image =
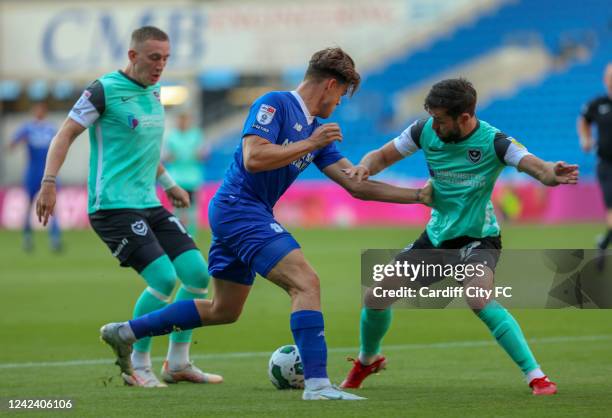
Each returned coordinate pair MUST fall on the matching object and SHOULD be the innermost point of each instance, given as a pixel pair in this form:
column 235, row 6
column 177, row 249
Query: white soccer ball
column 285, row 368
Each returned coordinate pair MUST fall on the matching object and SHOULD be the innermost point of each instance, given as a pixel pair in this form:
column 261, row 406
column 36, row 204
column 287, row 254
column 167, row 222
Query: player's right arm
column 84, row 113
column 259, row 154
column 45, row 202
column 19, row 137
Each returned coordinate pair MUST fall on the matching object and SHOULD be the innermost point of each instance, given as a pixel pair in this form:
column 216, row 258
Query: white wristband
column 166, row 181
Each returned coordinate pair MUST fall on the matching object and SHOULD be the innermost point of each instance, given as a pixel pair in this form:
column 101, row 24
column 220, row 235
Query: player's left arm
column 513, row 153
column 549, row 173
column 177, row 195
column 375, row 190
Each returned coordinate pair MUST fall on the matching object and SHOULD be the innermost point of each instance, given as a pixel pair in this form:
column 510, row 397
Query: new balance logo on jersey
column 276, row 227
column 297, row 127
column 140, row 228
column 474, row 155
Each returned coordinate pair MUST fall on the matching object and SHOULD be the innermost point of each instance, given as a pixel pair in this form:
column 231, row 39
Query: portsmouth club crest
column 140, row 228
column 265, row 114
column 474, row 155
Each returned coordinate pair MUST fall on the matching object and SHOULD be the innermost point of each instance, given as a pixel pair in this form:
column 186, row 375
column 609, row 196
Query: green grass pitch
column 441, row 363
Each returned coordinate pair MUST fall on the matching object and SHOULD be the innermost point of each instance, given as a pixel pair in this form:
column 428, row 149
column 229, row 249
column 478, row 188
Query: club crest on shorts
column 266, row 114
column 140, row 228
column 474, row 155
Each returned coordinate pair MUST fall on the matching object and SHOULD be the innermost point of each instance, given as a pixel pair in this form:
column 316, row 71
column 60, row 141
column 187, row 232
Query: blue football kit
column 37, row 136
column 246, row 237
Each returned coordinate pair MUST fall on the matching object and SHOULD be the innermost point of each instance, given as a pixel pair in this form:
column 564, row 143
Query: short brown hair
column 334, row 63
column 148, row 32
column 455, row 96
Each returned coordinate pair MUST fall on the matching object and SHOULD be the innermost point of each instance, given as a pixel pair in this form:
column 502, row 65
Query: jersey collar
column 132, row 80
column 465, row 138
column 307, row 114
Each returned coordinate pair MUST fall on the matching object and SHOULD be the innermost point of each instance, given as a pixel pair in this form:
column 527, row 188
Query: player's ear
column 132, row 55
column 330, row 84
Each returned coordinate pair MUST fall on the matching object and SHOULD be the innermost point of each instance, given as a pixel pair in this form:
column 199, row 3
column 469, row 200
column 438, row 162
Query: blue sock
column 178, row 316
column 307, row 328
column 54, row 232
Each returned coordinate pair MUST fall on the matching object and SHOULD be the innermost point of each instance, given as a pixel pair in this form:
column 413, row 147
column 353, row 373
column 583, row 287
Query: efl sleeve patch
column 90, row 105
column 265, row 114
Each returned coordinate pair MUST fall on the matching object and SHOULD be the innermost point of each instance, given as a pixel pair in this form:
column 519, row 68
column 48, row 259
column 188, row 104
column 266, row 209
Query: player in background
column 184, row 153
column 36, row 135
column 282, row 136
column 598, row 112
column 465, row 156
column 125, row 118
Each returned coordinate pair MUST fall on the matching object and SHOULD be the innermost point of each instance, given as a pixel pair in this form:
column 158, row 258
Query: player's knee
column 192, row 269
column 160, row 275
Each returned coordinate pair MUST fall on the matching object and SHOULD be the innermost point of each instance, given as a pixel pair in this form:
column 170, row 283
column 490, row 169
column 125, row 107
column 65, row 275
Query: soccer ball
column 285, row 368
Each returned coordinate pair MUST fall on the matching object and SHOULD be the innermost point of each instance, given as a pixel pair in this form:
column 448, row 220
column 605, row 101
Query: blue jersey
column 282, row 118
column 37, row 135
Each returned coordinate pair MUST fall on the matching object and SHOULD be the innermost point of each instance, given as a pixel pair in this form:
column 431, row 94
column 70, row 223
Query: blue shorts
column 246, row 240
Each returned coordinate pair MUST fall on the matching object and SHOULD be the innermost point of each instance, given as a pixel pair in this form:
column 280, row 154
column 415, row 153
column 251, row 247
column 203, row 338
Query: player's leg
column 192, row 271
column 182, row 315
column 296, row 276
column 55, row 235
column 226, row 307
column 28, row 237
column 129, row 236
column 376, row 317
column 503, row 326
column 160, row 276
column 604, row 176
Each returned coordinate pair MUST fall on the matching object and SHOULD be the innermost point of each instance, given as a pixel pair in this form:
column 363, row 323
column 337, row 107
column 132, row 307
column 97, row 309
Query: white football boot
column 329, row 393
column 144, row 378
column 189, row 373
column 109, row 333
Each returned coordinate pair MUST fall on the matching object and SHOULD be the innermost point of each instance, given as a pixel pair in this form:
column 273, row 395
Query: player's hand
column 425, row 195
column 326, row 134
column 586, row 143
column 178, row 197
column 586, row 146
column 359, row 171
column 565, row 173
column 45, row 202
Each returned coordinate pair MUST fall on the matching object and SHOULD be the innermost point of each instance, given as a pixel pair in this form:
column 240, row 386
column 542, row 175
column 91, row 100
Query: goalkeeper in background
column 184, row 153
column 464, row 156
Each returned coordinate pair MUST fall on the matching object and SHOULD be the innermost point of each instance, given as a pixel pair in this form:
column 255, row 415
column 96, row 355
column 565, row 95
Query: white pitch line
column 399, row 347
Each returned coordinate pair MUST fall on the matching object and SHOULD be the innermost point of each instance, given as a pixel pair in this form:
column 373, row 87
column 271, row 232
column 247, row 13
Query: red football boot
column 360, row 371
column 542, row 386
